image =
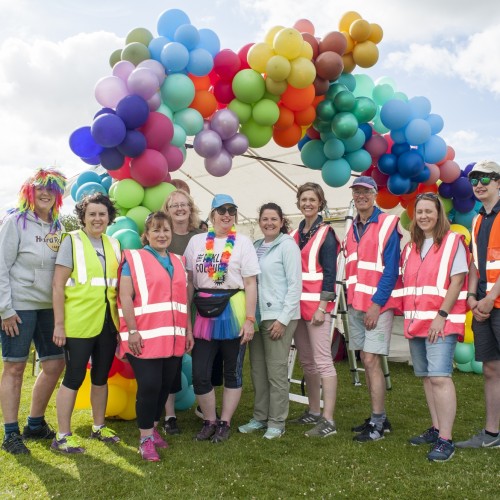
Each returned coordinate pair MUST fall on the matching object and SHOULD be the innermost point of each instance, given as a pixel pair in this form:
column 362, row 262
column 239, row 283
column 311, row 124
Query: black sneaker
column 429, row 436
column 207, row 431
column 44, row 431
column 386, row 426
column 222, row 433
column 370, row 433
column 170, row 426
column 442, row 452
column 13, row 443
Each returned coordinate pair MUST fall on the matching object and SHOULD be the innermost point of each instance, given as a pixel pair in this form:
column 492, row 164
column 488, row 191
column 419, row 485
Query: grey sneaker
column 222, row 432
column 322, row 429
column 442, row 452
column 273, row 433
column 306, row 419
column 480, row 440
column 252, row 426
column 207, row 431
column 371, row 433
column 429, row 436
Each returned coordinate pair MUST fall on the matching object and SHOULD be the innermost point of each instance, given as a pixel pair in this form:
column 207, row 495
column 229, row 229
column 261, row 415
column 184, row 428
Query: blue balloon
column 445, row 190
column 133, row 145
column 367, row 129
column 103, row 111
column 423, row 176
column 209, row 41
column 395, row 114
column 200, row 62
column 436, row 123
column 399, row 149
column 83, row 144
column 467, row 169
column 174, row 57
column 94, row 160
column 187, row 368
column 434, row 149
column 106, row 181
column 88, row 176
column 410, row 164
column 303, row 141
column 464, row 219
column 74, row 189
column 420, row 107
column 112, row 159
column 156, row 46
column 348, row 80
column 188, row 35
column 336, row 173
column 398, row 135
column 417, row 131
column 398, row 185
column 170, row 20
column 388, row 164
column 89, row 188
column 463, row 206
column 133, row 110
column 108, row 130
column 355, row 142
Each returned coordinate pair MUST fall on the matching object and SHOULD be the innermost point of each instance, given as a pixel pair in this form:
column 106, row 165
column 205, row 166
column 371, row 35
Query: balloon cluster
column 465, row 352
column 89, row 182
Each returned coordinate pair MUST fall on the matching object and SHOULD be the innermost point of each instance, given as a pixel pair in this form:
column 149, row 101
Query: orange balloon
column 410, row 209
column 287, row 137
column 422, row 188
column 298, row 99
column 318, row 99
column 200, row 82
column 305, row 117
column 386, row 200
column 204, row 102
column 285, row 119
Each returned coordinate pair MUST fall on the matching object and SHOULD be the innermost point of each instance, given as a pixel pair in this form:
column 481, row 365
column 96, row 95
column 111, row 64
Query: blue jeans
column 37, row 326
column 433, row 360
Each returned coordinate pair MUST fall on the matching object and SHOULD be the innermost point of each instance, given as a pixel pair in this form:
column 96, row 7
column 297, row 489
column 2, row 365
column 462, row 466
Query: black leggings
column 154, row 381
column 77, row 353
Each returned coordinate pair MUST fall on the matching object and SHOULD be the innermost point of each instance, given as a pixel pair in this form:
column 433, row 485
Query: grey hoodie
column 28, row 253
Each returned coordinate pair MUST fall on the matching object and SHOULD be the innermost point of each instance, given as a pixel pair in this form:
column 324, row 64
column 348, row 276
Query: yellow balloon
column 360, row 30
column 275, row 88
column 269, row 38
column 83, row 395
column 376, row 34
column 302, row 73
column 457, row 228
column 349, row 64
column 129, row 413
column 258, row 55
column 350, row 42
column 306, row 51
column 278, row 68
column 288, row 43
column 117, row 400
column 347, row 19
column 365, row 54
column 120, row 381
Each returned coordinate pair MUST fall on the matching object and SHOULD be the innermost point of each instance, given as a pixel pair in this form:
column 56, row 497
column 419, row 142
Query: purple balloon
column 463, row 206
column 156, row 67
column 225, row 123
column 103, row 111
column 133, row 110
column 112, row 159
column 122, row 69
column 94, row 160
column 83, row 144
column 445, row 190
column 133, row 145
column 143, row 82
column 154, row 102
column 237, row 144
column 207, row 143
column 108, row 130
column 219, row 165
column 462, row 188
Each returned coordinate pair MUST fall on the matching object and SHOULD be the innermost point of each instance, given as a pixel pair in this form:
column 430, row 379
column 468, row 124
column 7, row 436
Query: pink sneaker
column 159, row 442
column 148, row 451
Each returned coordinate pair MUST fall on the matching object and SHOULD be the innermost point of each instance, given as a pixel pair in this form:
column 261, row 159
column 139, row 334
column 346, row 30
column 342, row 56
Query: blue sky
column 53, row 52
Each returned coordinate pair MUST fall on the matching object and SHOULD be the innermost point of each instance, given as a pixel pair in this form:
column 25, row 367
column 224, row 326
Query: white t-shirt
column 242, row 264
column 459, row 261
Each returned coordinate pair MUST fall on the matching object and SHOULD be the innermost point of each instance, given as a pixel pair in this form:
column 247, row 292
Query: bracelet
column 133, row 332
column 250, row 318
column 470, row 294
column 322, row 310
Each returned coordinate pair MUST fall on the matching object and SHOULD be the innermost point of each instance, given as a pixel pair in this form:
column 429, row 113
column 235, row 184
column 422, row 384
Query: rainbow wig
column 49, row 178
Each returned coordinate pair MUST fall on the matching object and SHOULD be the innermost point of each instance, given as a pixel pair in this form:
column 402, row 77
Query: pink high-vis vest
column 160, row 305
column 312, row 272
column 425, row 283
column 365, row 262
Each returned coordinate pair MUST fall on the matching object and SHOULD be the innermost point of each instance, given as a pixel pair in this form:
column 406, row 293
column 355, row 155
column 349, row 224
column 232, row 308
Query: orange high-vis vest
column 492, row 253
column 425, row 283
column 365, row 262
column 312, row 272
column 160, row 305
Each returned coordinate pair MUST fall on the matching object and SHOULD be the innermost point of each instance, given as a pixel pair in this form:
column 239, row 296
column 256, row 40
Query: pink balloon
column 219, row 165
column 143, row 82
column 304, row 26
column 149, row 168
column 226, row 123
column 243, row 53
column 154, row 102
column 158, row 130
column 433, row 178
column 174, row 157
column 237, row 144
column 109, row 91
column 122, row 69
column 223, row 92
column 227, row 64
column 168, row 177
column 376, row 146
column 449, row 171
column 156, row 67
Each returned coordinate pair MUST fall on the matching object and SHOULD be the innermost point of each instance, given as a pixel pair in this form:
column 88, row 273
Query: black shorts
column 487, row 337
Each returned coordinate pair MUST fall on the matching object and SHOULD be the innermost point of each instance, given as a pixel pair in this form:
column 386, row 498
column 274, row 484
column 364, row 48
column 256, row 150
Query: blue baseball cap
column 222, row 199
column 365, row 181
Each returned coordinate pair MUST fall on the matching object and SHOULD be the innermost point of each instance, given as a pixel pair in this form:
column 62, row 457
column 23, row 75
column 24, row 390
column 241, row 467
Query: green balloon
column 272, row 97
column 265, row 112
column 128, row 193
column 477, row 366
column 364, row 86
column 111, row 190
column 155, row 196
column 447, row 204
column 364, row 109
column 464, row 353
column 121, row 223
column 383, row 93
column 257, row 135
column 322, row 126
column 177, row 91
column 248, row 86
column 179, row 138
column 348, row 80
column 139, row 215
column 334, row 148
column 344, row 101
column 141, row 35
column 355, row 142
column 405, row 220
column 465, row 367
column 312, row 154
column 344, row 125
column 325, row 110
column 116, row 56
column 378, row 125
column 336, row 173
column 242, row 110
column 135, row 52
column 165, row 110
column 359, row 160
column 121, row 211
column 128, row 238
column 190, row 120
column 334, row 89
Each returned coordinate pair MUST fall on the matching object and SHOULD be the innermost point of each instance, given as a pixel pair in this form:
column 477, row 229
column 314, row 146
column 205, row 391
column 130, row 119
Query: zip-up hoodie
column 28, row 251
column 280, row 281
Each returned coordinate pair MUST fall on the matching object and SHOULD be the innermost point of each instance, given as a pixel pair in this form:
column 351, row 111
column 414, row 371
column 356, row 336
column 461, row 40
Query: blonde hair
column 194, row 219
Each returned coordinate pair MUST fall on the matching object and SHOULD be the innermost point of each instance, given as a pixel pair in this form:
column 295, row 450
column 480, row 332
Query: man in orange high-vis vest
column 372, row 249
column 484, row 296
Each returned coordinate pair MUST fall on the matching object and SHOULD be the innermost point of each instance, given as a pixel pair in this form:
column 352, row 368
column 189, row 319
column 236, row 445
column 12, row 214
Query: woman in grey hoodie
column 29, row 240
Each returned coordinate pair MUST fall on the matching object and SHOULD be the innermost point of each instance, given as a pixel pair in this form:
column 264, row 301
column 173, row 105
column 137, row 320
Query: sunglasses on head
column 484, row 180
column 230, row 210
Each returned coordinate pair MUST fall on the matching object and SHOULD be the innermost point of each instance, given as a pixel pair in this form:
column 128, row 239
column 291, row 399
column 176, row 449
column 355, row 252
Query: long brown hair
column 440, row 229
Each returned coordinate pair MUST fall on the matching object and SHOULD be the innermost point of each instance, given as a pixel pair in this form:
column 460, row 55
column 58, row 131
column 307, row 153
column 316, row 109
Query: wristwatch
column 133, row 332
column 322, row 310
column 442, row 313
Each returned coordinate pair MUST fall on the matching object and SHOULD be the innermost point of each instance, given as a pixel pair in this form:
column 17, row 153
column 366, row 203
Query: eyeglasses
column 367, row 192
column 230, row 210
column 175, row 206
column 484, row 180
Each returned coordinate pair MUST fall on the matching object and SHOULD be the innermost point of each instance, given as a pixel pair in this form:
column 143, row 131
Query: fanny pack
column 211, row 303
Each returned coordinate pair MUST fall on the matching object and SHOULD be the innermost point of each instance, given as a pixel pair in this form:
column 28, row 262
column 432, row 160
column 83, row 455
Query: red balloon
column 114, row 367
column 312, row 133
column 333, row 41
column 126, row 371
column 380, row 178
column 226, row 64
column 223, row 92
column 123, row 172
column 149, row 168
column 243, row 53
column 376, row 146
column 329, row 65
column 158, row 130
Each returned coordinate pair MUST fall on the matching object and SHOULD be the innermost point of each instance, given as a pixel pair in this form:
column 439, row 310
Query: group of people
column 82, row 300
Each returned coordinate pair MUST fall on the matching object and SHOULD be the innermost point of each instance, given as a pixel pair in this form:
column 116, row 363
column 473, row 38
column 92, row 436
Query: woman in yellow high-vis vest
column 86, row 316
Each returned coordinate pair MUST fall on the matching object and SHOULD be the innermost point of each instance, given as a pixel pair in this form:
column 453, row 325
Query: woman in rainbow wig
column 29, row 240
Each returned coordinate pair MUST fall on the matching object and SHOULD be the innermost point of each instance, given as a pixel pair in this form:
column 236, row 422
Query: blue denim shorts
column 433, row 360
column 36, row 326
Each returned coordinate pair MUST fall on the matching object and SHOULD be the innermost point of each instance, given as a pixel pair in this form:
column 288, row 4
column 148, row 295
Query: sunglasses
column 484, row 180
column 230, row 210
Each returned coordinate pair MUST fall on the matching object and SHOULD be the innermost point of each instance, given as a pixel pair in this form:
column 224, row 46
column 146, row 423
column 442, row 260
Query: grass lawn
column 247, row 466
